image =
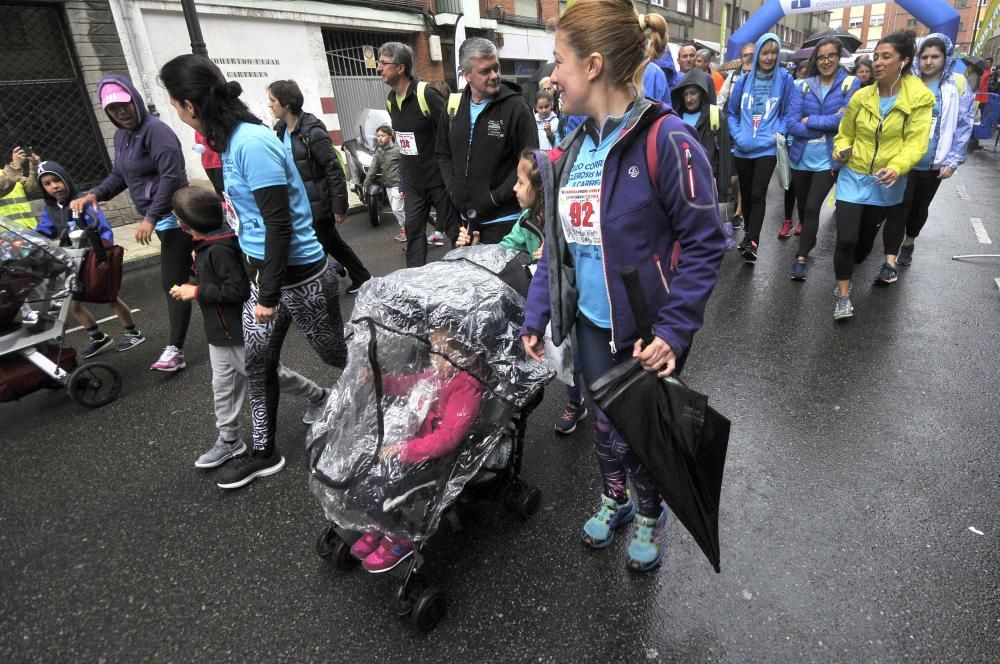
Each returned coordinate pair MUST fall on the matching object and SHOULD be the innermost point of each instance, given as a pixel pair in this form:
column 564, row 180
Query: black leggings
column 755, row 177
column 811, row 188
column 910, row 216
column 790, row 199
column 857, row 228
column 175, row 269
column 333, row 244
column 417, row 208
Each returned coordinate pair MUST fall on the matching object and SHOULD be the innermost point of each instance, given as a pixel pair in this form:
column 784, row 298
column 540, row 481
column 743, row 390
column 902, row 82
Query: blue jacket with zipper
column 750, row 142
column 824, row 114
column 640, row 221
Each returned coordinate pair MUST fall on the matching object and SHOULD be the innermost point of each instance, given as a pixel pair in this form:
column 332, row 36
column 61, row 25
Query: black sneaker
column 97, row 346
column 355, row 287
column 245, row 469
column 748, row 249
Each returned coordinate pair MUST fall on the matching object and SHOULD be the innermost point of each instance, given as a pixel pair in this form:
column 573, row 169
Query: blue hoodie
column 148, row 162
column 56, row 215
column 749, row 141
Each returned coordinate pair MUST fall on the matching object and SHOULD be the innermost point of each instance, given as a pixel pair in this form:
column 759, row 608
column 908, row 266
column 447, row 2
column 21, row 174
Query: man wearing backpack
column 416, row 110
column 691, row 101
column 480, row 141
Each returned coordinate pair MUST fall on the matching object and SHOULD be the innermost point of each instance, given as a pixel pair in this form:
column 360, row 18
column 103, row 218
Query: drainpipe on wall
column 198, row 46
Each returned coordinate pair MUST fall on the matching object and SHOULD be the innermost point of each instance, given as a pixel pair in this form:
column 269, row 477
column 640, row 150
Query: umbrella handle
column 637, row 302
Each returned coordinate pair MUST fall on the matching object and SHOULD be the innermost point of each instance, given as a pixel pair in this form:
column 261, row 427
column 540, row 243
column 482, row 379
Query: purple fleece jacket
column 640, row 221
column 148, row 161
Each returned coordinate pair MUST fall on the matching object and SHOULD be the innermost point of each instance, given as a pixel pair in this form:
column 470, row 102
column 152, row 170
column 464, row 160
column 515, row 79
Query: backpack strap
column 454, row 100
column 422, row 98
column 713, row 118
column 845, row 87
column 960, row 83
column 653, row 168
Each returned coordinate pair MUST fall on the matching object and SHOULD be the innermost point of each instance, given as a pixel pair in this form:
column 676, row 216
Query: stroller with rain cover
column 35, row 271
column 410, row 333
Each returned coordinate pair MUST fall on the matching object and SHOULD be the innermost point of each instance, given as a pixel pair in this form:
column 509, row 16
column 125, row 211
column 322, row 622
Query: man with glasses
column 416, row 109
column 480, row 142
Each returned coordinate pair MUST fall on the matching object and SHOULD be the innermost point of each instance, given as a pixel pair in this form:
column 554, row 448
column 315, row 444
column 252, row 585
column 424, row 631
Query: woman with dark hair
column 267, row 206
column 149, row 163
column 882, row 136
column 863, row 70
column 951, row 130
column 322, row 173
column 813, row 118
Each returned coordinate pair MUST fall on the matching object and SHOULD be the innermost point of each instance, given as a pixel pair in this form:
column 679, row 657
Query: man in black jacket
column 416, row 109
column 480, row 143
column 322, row 174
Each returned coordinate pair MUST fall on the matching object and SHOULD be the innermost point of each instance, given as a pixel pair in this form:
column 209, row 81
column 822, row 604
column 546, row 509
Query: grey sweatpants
column 229, row 387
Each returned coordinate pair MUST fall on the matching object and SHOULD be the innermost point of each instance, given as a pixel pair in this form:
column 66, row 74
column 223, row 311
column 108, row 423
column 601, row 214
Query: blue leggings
column 616, row 459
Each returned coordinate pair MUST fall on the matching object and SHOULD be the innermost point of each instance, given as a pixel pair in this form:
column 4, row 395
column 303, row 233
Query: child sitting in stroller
column 448, row 421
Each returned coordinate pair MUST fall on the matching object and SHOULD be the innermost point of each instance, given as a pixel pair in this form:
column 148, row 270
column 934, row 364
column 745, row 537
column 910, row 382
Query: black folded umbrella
column 679, row 438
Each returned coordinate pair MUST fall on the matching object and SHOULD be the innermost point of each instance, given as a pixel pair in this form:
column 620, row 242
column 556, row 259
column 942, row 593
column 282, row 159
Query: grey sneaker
column 97, row 346
column 316, row 408
column 905, row 256
column 129, row 341
column 220, row 453
column 887, row 275
column 844, row 308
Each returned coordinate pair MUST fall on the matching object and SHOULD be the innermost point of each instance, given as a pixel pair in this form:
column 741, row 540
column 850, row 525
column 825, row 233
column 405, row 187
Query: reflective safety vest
column 16, row 209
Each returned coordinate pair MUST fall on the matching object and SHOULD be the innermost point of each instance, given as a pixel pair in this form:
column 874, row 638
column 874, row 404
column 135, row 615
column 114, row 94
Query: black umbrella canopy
column 975, row 62
column 849, row 41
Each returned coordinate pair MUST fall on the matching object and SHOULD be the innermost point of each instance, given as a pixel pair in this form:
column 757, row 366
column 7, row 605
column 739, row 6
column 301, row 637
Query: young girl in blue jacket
column 813, row 117
column 755, row 112
column 609, row 213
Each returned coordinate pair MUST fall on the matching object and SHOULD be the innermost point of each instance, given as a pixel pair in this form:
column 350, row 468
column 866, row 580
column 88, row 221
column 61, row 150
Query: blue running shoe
column 799, row 270
column 599, row 531
column 646, row 549
column 905, row 255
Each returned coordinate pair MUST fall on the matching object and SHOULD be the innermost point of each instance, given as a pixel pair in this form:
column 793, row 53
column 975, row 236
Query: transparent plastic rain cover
column 434, row 374
column 32, row 267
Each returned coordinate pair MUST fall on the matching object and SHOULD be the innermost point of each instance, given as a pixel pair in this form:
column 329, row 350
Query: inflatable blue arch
column 937, row 15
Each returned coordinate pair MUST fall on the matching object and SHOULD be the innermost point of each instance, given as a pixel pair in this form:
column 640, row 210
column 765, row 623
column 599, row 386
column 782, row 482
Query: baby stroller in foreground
column 411, row 335
column 34, row 271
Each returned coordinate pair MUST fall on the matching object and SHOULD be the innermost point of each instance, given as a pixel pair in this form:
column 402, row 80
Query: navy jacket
column 56, row 218
column 640, row 221
column 824, row 114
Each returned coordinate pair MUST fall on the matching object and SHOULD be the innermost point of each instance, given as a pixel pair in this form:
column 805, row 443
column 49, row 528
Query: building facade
column 870, row 22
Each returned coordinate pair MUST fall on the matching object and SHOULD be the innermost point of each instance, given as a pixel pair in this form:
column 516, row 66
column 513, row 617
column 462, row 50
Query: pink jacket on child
column 449, row 419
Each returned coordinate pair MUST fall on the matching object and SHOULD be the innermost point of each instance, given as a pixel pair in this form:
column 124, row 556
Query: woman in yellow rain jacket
column 883, row 135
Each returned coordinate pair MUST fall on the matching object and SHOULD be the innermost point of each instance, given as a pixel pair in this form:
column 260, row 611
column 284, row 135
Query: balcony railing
column 498, row 13
column 450, row 7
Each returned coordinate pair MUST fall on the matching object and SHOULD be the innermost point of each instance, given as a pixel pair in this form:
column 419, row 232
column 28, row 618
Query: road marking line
column 103, row 320
column 977, row 225
column 963, row 193
column 998, row 282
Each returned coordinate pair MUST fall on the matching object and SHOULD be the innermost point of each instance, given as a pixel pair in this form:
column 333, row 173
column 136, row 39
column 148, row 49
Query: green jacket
column 384, row 161
column 525, row 236
column 905, row 132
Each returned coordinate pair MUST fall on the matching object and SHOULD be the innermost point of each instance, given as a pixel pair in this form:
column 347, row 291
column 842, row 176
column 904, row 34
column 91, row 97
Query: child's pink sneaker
column 365, row 545
column 387, row 555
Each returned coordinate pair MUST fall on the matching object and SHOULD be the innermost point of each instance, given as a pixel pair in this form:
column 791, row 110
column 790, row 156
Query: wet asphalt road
column 861, row 455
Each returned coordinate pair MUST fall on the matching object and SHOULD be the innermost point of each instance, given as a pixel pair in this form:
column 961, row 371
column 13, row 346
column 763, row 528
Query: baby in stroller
column 448, row 420
column 436, row 390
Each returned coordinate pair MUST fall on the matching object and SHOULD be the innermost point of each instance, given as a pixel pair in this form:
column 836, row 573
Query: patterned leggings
column 616, row 459
column 314, row 306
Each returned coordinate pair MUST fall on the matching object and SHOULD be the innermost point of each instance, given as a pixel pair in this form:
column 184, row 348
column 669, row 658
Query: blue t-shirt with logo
column 691, row 118
column 925, row 163
column 580, row 216
column 256, row 159
column 854, row 187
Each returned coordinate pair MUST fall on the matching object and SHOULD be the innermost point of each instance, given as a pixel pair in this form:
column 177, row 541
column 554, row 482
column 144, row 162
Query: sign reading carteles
column 804, row 6
column 990, row 20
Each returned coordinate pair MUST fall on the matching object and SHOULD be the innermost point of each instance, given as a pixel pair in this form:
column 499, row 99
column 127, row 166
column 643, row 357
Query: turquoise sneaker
column 646, row 549
column 599, row 531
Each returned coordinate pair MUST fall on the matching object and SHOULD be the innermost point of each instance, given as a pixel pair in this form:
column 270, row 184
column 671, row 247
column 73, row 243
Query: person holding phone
column 883, row 135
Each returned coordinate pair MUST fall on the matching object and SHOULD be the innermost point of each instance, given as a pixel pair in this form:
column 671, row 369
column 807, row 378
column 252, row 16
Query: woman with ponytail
column 883, row 135
column 267, row 207
column 615, row 201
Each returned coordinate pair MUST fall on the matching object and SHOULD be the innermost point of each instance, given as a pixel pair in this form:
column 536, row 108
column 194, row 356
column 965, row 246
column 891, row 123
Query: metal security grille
column 355, row 85
column 43, row 104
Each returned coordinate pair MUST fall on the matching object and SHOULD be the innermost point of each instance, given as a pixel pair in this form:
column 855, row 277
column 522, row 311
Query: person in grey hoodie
column 149, row 163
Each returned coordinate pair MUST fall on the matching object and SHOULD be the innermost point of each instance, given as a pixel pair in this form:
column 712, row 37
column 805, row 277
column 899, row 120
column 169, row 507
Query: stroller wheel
column 327, row 542
column 523, row 499
column 94, row 384
column 342, row 558
column 407, row 595
column 429, row 609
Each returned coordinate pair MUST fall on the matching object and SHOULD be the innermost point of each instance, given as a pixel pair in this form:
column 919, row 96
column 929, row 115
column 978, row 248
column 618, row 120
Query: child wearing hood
column 691, row 101
column 755, row 113
column 56, row 223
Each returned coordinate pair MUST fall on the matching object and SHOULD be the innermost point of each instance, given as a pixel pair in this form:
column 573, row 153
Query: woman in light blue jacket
column 951, row 129
column 755, row 113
